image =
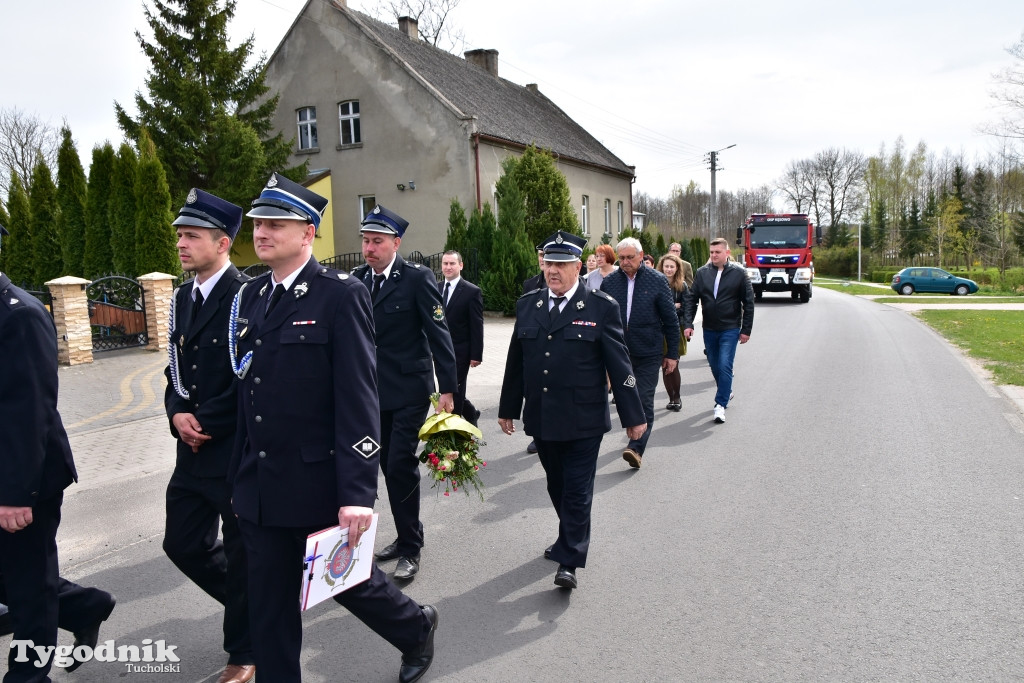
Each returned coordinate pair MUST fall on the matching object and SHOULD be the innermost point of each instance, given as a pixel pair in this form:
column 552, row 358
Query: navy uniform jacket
column 35, row 457
column 465, row 316
column 308, row 419
column 653, row 322
column 561, row 368
column 535, row 282
column 411, row 335
column 206, row 375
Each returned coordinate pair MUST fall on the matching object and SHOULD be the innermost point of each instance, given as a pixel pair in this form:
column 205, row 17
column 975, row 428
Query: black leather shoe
column 415, row 664
column 547, row 551
column 91, row 634
column 565, row 576
column 532, row 448
column 388, row 552
column 407, row 567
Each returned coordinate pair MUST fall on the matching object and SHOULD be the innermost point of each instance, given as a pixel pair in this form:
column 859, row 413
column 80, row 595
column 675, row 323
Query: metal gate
column 117, row 313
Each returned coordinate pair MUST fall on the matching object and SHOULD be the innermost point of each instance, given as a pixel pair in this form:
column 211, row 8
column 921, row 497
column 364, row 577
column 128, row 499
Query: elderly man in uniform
column 566, row 343
column 413, row 344
column 652, row 329
column 36, row 466
column 202, row 408
column 464, row 311
column 307, row 446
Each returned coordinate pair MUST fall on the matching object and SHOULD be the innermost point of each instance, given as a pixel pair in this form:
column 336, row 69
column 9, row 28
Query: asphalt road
column 856, row 518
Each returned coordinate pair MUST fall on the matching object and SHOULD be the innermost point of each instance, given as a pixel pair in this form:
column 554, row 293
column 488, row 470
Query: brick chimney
column 409, row 27
column 485, row 59
column 532, row 87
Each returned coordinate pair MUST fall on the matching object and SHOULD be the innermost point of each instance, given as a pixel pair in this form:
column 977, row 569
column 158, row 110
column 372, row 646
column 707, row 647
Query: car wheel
column 907, row 289
column 962, row 290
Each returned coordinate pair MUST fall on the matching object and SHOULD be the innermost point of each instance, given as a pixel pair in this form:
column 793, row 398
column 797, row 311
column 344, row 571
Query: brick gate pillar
column 71, row 317
column 157, row 290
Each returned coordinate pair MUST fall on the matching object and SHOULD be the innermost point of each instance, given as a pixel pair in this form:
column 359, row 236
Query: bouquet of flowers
column 451, row 451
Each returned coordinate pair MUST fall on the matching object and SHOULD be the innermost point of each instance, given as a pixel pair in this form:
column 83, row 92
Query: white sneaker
column 719, row 414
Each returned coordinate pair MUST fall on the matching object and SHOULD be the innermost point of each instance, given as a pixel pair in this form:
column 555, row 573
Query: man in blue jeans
column 649, row 320
column 727, row 301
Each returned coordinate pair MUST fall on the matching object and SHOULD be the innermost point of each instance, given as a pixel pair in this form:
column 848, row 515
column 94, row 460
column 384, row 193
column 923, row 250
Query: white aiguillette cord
column 172, row 351
column 238, row 368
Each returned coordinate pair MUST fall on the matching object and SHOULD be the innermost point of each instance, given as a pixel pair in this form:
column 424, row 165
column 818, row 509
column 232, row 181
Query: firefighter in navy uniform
column 202, row 408
column 36, row 466
column 413, row 343
column 306, row 453
column 566, row 343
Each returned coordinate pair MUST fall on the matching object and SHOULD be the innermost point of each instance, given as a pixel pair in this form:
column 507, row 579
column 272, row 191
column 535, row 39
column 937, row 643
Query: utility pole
column 713, row 165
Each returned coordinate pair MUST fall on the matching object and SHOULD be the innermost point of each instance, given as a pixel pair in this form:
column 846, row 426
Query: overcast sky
column 659, row 82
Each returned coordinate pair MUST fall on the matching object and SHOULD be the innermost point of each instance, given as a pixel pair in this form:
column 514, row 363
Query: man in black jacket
column 35, row 467
column 650, row 322
column 464, row 309
column 727, row 301
column 202, row 408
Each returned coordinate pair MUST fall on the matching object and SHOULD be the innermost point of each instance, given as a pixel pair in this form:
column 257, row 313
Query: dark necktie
column 197, row 304
column 377, row 280
column 557, row 302
column 447, row 291
column 275, row 297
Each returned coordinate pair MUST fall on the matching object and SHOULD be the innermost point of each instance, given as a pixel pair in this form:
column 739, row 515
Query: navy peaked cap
column 205, row 210
column 283, row 198
column 564, row 246
column 382, row 220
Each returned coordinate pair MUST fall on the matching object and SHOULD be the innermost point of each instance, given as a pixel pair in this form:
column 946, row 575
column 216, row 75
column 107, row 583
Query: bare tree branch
column 24, row 140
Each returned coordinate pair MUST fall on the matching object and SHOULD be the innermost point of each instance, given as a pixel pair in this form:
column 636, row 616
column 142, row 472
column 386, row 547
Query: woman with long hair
column 672, row 267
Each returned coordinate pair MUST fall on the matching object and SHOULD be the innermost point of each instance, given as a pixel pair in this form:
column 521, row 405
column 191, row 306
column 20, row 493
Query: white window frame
column 585, row 216
column 607, row 216
column 366, row 204
column 307, row 128
column 620, row 218
column 349, row 120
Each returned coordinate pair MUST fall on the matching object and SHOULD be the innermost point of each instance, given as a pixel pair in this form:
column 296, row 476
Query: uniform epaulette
column 332, row 274
column 603, row 294
column 530, row 293
column 414, row 265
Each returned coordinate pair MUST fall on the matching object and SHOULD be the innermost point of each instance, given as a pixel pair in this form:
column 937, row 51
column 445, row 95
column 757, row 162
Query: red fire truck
column 777, row 253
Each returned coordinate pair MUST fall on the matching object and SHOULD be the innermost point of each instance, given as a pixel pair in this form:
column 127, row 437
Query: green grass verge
column 950, row 300
column 994, row 337
column 852, row 288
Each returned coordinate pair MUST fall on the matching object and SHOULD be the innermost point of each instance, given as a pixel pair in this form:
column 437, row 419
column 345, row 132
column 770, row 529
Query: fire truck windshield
column 776, row 236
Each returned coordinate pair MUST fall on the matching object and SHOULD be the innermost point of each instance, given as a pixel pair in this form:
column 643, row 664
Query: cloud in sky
column 660, row 82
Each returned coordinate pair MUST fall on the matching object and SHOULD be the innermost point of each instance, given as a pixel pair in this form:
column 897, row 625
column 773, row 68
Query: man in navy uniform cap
column 202, row 408
column 306, row 455
column 36, row 466
column 413, row 343
column 567, row 342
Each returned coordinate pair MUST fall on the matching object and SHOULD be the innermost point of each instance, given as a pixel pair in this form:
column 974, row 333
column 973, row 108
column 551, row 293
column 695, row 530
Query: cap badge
column 273, row 181
column 376, row 209
column 192, row 196
column 559, row 240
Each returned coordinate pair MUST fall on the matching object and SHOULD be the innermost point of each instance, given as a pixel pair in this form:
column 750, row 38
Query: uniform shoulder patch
column 603, row 294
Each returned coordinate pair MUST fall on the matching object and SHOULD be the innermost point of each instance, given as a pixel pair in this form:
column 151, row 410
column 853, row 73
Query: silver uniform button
column 195, row 367
column 545, row 390
column 549, row 337
column 259, row 418
column 263, row 454
column 214, row 341
column 256, row 380
column 547, row 354
column 545, row 372
column 259, row 342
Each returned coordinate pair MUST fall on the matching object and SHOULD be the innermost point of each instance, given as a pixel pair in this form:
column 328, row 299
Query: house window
column 607, row 216
column 348, row 121
column 585, row 215
column 307, row 128
column 366, row 204
column 620, row 218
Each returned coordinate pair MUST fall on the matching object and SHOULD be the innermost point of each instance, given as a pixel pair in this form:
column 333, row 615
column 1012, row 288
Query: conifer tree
column 121, row 211
column 155, row 237
column 46, row 257
column 194, row 81
column 71, row 198
column 98, row 258
column 512, row 256
column 18, row 245
column 480, row 235
column 545, row 193
column 458, row 233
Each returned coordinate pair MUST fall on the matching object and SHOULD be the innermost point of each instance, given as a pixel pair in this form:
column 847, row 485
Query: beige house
column 399, row 122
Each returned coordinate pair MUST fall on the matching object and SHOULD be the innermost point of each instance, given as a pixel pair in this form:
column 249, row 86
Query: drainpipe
column 476, row 160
